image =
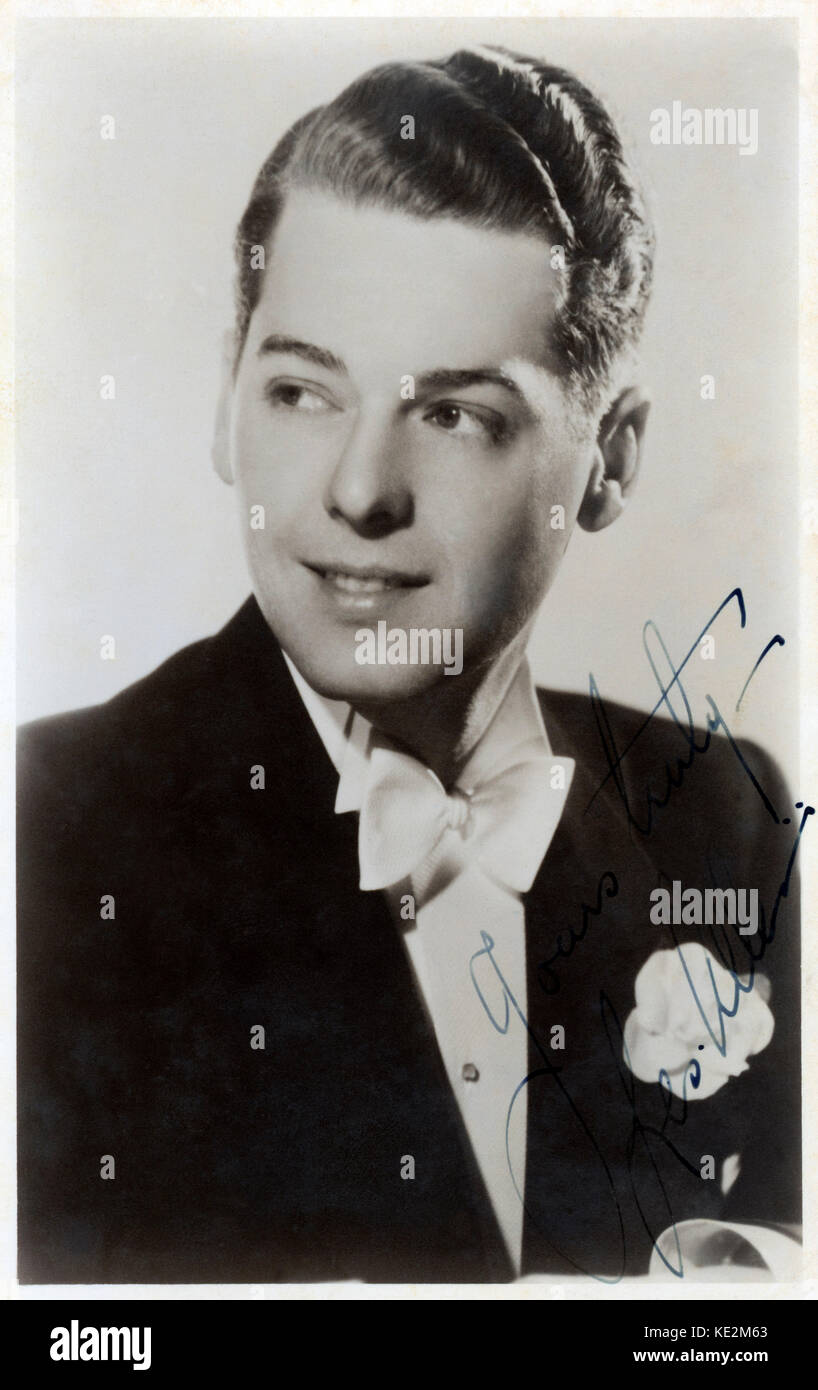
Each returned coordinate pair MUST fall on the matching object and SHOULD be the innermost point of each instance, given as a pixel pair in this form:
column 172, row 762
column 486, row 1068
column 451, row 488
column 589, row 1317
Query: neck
column 442, row 727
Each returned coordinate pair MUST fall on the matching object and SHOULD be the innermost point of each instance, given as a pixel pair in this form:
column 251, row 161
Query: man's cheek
column 269, row 550
column 495, row 591
column 269, row 498
column 523, row 570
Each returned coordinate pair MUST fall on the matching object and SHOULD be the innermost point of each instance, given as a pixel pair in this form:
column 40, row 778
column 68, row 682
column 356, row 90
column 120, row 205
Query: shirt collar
column 516, row 730
column 332, row 718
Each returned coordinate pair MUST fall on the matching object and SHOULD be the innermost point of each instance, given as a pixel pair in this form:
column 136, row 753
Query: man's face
column 424, row 510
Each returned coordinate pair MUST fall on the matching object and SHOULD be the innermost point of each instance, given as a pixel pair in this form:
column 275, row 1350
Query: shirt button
column 470, row 1072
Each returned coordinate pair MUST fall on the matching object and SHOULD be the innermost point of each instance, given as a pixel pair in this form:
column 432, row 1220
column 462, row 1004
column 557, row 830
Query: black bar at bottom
column 341, row 1336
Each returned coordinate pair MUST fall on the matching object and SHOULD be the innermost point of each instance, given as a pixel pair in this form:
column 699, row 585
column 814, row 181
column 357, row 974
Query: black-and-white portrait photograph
column 409, row 810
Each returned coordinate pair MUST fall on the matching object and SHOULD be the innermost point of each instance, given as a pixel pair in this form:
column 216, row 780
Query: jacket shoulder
column 180, row 742
column 143, row 721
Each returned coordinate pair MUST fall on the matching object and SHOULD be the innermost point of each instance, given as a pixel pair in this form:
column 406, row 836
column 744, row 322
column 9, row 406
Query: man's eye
column 457, row 420
column 290, row 396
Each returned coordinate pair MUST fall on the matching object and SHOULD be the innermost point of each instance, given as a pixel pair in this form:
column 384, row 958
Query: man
column 340, row 950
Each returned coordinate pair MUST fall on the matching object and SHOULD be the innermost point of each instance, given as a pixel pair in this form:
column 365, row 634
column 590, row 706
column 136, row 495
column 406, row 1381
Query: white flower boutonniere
column 676, row 1027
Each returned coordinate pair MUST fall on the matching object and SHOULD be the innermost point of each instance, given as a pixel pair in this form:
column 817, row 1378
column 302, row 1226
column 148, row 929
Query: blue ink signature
column 567, row 941
column 715, row 720
column 641, row 1132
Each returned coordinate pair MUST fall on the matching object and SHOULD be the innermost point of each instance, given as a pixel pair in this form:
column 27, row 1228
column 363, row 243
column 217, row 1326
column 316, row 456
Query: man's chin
column 368, row 686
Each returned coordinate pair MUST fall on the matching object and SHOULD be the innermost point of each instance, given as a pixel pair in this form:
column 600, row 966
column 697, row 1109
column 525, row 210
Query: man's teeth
column 354, row 585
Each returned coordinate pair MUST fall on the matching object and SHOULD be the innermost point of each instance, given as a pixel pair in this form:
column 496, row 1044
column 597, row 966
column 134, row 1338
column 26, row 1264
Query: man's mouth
column 366, row 580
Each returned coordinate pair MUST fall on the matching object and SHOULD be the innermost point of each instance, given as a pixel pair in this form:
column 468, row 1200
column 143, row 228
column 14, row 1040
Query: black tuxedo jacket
column 236, row 907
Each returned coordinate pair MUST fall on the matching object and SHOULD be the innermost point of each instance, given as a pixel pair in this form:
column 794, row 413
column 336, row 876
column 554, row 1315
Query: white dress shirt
column 478, row 1020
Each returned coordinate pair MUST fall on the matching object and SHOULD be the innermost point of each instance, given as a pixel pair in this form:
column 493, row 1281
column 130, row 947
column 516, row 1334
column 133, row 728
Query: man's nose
column 368, row 487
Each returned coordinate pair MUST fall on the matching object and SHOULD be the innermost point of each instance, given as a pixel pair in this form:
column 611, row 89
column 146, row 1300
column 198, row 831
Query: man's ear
column 617, row 455
column 220, row 448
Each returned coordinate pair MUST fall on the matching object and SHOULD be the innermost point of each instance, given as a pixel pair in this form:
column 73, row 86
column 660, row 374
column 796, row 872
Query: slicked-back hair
column 502, row 142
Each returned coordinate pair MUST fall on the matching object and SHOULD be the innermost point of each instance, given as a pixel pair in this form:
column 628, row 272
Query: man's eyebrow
column 457, row 378
column 320, row 357
column 439, row 379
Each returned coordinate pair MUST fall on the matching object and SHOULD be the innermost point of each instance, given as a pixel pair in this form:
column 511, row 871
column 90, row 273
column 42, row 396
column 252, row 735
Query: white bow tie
column 505, row 824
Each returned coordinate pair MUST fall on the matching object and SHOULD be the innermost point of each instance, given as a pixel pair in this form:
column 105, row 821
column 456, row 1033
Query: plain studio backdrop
column 124, row 268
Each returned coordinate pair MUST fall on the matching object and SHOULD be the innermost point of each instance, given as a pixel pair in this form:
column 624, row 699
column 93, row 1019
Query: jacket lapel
column 364, row 1070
